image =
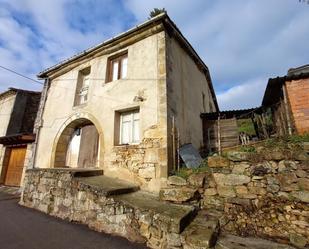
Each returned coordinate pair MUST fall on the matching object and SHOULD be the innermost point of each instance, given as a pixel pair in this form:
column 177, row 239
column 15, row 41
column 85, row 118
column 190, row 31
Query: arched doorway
column 78, row 145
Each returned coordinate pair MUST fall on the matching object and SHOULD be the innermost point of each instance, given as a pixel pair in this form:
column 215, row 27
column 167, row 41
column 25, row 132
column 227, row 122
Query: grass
column 287, row 142
column 247, row 148
column 185, row 172
column 246, row 126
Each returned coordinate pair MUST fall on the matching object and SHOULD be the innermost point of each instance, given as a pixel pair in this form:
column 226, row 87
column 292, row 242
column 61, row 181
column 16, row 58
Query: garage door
column 15, row 166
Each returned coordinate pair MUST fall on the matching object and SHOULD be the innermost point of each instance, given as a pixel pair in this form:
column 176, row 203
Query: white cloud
column 242, row 96
column 36, row 34
column 239, row 40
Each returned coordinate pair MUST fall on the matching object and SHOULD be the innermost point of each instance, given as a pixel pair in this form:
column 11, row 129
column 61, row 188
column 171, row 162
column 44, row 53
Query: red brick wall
column 298, row 95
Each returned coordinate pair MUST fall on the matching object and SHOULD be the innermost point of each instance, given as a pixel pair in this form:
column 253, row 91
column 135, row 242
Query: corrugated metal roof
column 299, row 70
column 231, row 113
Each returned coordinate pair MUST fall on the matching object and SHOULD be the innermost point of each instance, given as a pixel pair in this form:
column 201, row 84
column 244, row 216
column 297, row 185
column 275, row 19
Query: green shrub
column 185, row 172
column 247, row 148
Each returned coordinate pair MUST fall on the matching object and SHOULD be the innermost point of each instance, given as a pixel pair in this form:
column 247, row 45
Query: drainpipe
column 288, row 119
column 39, row 122
column 219, row 135
column 174, row 143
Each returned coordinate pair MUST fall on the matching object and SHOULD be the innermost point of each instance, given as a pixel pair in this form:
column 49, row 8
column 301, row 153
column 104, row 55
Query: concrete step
column 235, row 242
column 202, row 232
column 175, row 217
column 104, row 185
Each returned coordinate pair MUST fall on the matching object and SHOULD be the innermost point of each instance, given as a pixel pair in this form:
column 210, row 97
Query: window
column 81, row 95
column 129, row 127
column 117, row 67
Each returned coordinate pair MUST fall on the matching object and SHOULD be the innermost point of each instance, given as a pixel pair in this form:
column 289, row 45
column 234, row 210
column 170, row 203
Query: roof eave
column 44, row 74
column 161, row 17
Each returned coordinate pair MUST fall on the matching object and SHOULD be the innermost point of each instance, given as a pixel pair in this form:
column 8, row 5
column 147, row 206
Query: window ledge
column 126, row 145
column 115, row 81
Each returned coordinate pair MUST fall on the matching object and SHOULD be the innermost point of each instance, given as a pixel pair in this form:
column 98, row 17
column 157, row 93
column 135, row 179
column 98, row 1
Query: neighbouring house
column 284, row 111
column 287, row 99
column 18, row 109
column 125, row 105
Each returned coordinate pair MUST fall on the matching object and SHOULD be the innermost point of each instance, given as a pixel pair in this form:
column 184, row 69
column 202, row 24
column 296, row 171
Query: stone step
column 88, row 172
column 7, row 193
column 105, row 186
column 75, row 172
column 173, row 217
column 202, row 232
column 235, row 242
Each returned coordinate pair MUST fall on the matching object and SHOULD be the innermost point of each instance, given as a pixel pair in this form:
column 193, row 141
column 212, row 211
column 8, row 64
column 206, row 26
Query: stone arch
column 65, row 132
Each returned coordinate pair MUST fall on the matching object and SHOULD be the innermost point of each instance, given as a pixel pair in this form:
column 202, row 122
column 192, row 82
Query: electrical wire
column 21, row 75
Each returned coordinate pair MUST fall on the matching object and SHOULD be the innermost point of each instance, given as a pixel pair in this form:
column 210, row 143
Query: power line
column 21, row 75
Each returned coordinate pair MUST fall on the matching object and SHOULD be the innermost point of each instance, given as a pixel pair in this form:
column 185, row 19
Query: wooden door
column 15, row 166
column 88, row 151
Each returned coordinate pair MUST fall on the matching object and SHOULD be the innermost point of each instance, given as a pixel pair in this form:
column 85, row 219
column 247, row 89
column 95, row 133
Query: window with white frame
column 129, row 127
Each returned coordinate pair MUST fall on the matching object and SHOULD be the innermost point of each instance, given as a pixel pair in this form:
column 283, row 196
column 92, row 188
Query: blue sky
column 243, row 42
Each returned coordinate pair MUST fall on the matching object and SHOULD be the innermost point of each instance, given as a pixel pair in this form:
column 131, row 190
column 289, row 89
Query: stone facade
column 151, row 86
column 141, row 159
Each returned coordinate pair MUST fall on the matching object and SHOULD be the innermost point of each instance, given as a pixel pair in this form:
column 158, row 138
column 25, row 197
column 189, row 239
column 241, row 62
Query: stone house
column 288, row 99
column 18, row 109
column 125, row 105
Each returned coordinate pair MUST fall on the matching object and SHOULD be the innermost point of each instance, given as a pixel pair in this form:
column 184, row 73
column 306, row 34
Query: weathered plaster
column 6, row 106
column 105, row 99
column 171, row 83
column 186, row 85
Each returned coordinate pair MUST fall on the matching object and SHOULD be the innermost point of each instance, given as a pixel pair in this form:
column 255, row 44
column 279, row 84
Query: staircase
column 118, row 207
column 184, row 226
column 178, row 226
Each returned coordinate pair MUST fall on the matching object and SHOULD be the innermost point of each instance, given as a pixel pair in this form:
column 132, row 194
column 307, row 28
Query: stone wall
column 54, row 192
column 141, row 160
column 267, row 198
column 60, row 193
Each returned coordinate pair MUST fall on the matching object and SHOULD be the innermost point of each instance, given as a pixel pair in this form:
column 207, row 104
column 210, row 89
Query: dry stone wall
column 145, row 162
column 141, row 159
column 59, row 193
column 268, row 198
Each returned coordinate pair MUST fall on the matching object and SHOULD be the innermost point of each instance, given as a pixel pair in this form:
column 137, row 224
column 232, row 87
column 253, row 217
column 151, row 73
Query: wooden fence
column 219, row 134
